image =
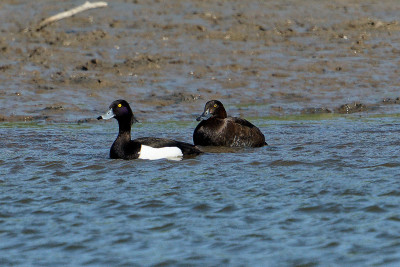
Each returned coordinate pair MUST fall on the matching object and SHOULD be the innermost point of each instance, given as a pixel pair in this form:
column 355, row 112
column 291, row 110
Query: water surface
column 324, row 192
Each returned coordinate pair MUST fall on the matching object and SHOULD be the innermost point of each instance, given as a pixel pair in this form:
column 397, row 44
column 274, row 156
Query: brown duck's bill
column 205, row 116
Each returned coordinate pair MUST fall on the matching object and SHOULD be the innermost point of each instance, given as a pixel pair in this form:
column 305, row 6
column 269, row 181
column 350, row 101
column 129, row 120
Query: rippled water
column 325, row 192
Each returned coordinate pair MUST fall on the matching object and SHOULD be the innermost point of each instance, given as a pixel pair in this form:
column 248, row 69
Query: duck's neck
column 122, row 143
column 221, row 114
column 124, row 133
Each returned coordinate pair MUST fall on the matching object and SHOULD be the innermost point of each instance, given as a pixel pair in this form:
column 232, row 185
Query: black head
column 213, row 109
column 120, row 110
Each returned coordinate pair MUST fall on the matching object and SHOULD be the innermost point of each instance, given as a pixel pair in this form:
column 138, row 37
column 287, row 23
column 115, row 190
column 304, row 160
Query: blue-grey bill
column 109, row 115
column 205, row 116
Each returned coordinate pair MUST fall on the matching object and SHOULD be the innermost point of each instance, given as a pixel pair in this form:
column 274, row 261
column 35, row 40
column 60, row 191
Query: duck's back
column 230, row 132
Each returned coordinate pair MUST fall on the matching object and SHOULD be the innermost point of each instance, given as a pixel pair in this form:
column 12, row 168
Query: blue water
column 325, row 192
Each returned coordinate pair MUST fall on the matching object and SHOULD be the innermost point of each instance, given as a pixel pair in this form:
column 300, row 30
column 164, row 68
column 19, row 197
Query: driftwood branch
column 70, row 13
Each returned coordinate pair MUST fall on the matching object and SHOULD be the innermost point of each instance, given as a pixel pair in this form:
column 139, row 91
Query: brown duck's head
column 213, row 109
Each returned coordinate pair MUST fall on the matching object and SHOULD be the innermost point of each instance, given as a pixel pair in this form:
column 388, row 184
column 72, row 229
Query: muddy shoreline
column 169, row 58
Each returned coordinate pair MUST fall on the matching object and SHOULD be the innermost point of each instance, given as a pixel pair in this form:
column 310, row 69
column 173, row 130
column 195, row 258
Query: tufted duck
column 217, row 129
column 142, row 148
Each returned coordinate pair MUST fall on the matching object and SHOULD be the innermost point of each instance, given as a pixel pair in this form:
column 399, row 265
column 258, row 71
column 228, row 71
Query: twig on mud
column 69, row 13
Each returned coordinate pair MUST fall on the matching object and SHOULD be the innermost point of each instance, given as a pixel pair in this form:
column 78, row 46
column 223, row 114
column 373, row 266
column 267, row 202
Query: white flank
column 148, row 152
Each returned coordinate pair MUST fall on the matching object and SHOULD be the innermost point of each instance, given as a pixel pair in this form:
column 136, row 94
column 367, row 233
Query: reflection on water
column 324, row 192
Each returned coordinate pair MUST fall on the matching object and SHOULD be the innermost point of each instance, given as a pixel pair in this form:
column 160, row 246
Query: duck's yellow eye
column 215, row 105
column 119, row 105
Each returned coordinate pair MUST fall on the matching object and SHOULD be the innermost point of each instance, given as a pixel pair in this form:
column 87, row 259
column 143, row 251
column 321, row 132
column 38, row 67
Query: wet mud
column 169, row 57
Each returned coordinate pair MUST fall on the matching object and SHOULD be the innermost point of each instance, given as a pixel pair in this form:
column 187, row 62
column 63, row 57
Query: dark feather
column 220, row 130
column 125, row 148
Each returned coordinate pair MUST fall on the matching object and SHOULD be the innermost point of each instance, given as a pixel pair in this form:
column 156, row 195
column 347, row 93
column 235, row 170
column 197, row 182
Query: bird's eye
column 215, row 105
column 119, row 105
